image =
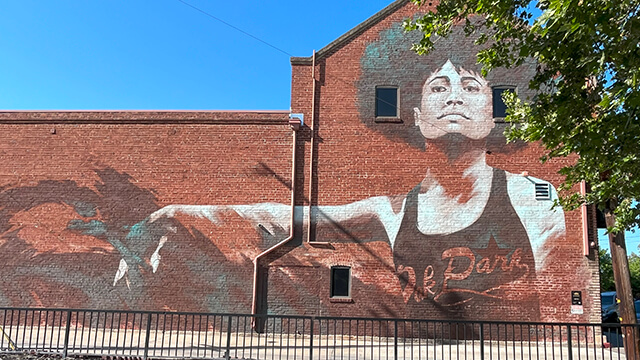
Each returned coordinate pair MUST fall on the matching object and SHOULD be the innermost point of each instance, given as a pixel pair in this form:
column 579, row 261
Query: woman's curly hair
column 389, row 61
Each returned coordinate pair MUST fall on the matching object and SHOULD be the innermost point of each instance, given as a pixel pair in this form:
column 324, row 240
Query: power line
column 234, row 27
column 286, row 53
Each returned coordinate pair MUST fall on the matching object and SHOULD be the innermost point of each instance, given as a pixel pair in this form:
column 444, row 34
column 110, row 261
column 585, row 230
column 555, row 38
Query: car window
column 608, row 299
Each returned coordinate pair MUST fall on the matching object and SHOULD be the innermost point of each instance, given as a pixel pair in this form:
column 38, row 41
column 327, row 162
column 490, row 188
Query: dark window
column 386, row 102
column 340, row 281
column 499, row 107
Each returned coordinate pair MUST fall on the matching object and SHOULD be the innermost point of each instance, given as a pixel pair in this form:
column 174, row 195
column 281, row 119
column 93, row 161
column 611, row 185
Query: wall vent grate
column 543, row 191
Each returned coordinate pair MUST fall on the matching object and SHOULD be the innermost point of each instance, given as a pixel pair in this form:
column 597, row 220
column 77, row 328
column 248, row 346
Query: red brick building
column 396, row 197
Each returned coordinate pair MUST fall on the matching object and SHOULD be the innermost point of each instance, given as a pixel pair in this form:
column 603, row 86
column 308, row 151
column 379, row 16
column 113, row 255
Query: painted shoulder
column 542, row 221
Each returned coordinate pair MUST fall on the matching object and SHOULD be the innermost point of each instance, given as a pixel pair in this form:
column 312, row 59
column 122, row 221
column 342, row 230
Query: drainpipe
column 585, row 222
column 313, row 143
column 295, row 124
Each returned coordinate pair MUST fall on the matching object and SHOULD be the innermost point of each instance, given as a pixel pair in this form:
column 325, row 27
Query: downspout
column 313, row 142
column 295, row 124
column 585, row 221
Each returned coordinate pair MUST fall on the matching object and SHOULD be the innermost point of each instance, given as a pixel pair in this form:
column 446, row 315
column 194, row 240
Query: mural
column 467, row 239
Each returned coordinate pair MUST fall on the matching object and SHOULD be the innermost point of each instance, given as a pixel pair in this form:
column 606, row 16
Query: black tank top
column 483, row 272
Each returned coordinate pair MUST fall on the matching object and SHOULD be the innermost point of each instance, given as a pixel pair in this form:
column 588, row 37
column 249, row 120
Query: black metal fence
column 232, row 336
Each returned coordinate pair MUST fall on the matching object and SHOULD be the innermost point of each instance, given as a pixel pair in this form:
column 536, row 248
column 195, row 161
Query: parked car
column 609, row 307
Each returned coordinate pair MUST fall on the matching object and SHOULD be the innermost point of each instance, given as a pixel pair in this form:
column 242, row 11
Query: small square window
column 387, row 102
column 340, row 281
column 499, row 107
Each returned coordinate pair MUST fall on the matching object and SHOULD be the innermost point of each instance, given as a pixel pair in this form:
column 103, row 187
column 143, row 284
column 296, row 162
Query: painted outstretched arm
column 272, row 217
column 158, row 227
column 544, row 223
column 387, row 210
column 269, row 215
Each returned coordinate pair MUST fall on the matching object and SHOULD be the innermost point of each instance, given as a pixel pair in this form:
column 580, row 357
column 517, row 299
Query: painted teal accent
column 92, row 227
column 371, row 55
column 222, row 279
column 378, row 53
column 138, row 231
column 84, row 209
column 99, row 229
column 122, row 248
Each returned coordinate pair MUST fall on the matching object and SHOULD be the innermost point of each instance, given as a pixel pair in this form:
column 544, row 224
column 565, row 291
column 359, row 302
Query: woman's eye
column 438, row 89
column 472, row 88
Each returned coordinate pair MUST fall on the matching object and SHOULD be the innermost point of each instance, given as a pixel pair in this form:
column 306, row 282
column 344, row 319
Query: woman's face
column 455, row 102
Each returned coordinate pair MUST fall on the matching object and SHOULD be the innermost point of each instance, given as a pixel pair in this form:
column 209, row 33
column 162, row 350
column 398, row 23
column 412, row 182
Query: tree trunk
column 622, row 279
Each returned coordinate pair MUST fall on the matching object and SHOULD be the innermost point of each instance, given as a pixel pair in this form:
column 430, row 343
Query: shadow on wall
column 61, row 245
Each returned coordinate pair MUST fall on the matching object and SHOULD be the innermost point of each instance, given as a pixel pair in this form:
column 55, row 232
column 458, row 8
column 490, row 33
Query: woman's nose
column 454, row 97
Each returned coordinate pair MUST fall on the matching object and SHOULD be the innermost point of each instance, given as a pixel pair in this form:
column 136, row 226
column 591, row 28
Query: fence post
column 395, row 340
column 569, row 345
column 227, row 355
column 66, row 335
column 147, row 336
column 481, row 341
column 311, row 339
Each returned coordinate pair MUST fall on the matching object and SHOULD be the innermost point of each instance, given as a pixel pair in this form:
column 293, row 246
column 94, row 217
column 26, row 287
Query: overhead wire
column 234, row 27
column 284, row 52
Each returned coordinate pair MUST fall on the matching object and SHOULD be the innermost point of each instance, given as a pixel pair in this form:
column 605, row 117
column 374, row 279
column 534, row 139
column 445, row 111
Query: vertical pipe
column 585, row 221
column 312, row 143
column 295, row 125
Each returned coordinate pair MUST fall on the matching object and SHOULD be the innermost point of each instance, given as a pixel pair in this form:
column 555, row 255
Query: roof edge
column 144, row 117
column 349, row 35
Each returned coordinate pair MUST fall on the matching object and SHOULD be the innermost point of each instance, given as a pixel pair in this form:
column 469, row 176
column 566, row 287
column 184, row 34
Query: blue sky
column 161, row 54
column 632, row 239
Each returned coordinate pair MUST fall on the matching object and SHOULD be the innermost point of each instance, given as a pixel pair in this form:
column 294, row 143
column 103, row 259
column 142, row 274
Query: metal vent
column 543, row 191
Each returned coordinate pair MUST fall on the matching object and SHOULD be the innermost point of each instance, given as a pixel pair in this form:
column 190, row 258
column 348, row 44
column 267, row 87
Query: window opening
column 386, row 102
column 340, row 281
column 499, row 107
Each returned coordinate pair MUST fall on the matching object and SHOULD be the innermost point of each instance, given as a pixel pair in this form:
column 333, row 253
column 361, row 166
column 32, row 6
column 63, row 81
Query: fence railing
column 144, row 334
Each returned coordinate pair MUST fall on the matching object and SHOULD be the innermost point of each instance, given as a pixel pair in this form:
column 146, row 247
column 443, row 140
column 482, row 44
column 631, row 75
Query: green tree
column 588, row 86
column 634, row 270
column 606, row 271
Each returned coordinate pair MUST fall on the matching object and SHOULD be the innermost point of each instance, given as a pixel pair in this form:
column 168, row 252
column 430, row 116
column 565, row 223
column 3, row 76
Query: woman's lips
column 453, row 117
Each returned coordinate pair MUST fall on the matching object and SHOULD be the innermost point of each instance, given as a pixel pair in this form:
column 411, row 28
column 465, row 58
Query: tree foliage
column 587, row 81
column 634, row 270
column 606, row 272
